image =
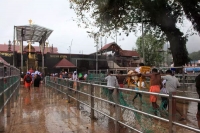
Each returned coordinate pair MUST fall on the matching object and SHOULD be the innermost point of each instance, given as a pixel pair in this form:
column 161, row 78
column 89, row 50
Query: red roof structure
column 64, row 63
column 109, row 45
column 129, row 53
column 4, row 47
column 115, row 48
column 3, row 61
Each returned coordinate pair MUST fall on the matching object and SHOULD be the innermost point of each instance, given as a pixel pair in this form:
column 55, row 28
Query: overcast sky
column 56, row 15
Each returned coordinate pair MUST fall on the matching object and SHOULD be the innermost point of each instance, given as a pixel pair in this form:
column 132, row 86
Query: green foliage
column 192, row 12
column 152, row 49
column 160, row 18
column 195, row 55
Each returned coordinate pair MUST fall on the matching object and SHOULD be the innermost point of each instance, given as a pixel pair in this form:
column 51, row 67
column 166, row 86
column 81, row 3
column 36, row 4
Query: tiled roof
column 64, row 63
column 4, row 47
column 2, row 60
column 108, row 45
column 128, row 53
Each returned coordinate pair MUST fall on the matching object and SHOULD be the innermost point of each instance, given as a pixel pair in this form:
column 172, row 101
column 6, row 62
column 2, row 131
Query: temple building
column 45, row 58
column 110, row 56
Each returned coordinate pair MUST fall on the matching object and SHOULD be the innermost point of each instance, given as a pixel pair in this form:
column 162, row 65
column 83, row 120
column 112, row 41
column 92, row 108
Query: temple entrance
column 32, row 57
column 31, row 33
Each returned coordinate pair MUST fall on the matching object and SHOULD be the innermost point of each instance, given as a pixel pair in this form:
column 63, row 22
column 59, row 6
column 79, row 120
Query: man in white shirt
column 172, row 84
column 138, row 68
column 111, row 81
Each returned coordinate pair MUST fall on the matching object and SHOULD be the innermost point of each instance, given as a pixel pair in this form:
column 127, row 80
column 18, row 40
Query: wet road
column 45, row 111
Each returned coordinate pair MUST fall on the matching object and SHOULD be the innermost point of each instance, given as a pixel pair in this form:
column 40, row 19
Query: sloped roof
column 129, row 53
column 64, row 63
column 108, row 45
column 4, row 62
column 4, row 47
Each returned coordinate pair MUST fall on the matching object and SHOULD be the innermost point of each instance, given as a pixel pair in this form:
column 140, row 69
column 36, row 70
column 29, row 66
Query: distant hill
column 195, row 55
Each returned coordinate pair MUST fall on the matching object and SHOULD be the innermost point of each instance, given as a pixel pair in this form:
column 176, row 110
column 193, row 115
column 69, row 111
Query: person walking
column 37, row 80
column 28, row 81
column 155, row 85
column 172, row 84
column 137, row 88
column 164, row 100
column 75, row 78
column 111, row 81
column 138, row 85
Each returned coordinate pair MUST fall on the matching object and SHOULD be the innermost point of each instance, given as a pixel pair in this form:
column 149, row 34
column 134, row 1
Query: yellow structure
column 133, row 78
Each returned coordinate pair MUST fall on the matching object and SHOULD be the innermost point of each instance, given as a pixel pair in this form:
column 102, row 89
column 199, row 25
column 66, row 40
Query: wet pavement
column 45, row 111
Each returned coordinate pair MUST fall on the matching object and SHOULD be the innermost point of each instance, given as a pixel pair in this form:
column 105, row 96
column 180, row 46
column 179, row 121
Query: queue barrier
column 65, row 87
column 9, row 88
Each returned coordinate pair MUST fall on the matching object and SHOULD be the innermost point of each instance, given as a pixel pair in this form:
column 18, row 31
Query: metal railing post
column 68, row 91
column 12, row 98
column 2, row 105
column 117, row 110
column 77, row 94
column 8, row 98
column 92, row 100
column 172, row 113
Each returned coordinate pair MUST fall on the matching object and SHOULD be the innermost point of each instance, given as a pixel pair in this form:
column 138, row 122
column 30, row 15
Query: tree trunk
column 164, row 19
column 178, row 47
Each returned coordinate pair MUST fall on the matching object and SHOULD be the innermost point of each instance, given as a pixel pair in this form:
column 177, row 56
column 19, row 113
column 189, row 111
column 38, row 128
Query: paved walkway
column 45, row 111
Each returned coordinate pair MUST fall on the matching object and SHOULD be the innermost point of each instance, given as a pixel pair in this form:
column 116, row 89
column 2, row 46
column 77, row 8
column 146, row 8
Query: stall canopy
column 33, row 32
column 64, row 63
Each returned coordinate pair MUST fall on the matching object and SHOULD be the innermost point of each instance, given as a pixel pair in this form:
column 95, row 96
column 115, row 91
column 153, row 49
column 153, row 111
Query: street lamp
column 70, row 48
column 22, row 36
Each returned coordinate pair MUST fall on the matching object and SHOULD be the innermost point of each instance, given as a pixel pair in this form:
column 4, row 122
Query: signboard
column 6, row 54
column 58, row 56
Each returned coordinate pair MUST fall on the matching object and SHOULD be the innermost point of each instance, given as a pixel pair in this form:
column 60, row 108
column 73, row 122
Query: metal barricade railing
column 94, row 92
column 9, row 87
column 186, row 80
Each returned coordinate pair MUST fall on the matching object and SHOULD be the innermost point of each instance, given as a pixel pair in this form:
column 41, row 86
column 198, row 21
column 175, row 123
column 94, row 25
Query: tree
column 195, row 55
column 152, row 49
column 160, row 18
column 192, row 10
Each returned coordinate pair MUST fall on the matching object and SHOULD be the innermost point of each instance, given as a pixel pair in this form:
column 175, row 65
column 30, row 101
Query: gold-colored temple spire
column 30, row 22
column 47, row 46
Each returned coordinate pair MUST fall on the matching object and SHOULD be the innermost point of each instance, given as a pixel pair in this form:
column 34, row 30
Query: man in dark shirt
column 197, row 81
column 120, row 79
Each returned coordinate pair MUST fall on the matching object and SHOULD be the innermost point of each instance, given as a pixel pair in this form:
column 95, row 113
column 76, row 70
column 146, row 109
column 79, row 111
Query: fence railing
column 96, row 99
column 9, row 87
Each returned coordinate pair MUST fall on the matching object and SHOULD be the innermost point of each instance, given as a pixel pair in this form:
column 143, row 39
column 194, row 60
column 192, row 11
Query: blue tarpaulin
column 195, row 69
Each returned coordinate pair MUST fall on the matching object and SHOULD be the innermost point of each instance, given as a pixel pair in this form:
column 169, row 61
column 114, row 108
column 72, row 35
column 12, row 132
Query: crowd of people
column 160, row 82
column 70, row 75
column 31, row 78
